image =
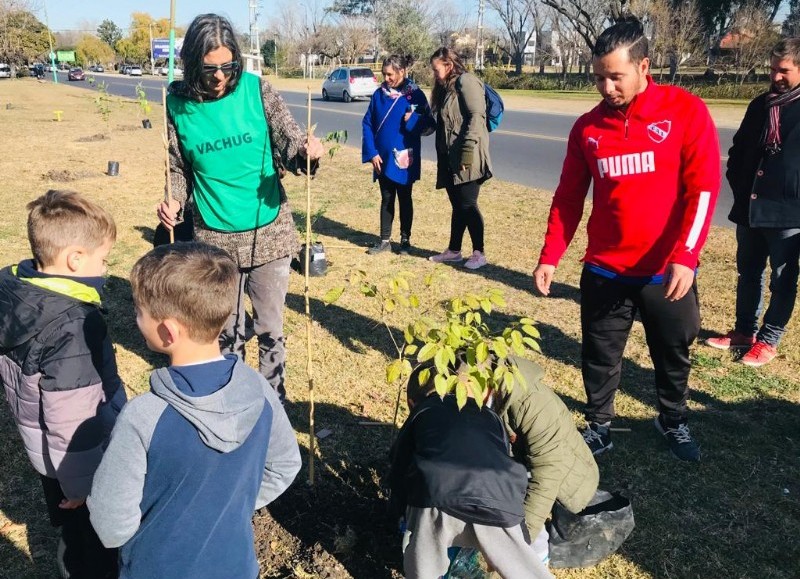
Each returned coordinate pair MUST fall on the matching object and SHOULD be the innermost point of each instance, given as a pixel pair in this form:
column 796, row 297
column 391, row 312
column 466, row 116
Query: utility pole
column 255, row 43
column 152, row 60
column 479, row 52
column 171, row 73
column 50, row 42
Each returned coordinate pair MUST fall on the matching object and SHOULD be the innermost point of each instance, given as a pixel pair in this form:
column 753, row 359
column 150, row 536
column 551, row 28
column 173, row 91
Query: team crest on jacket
column 659, row 131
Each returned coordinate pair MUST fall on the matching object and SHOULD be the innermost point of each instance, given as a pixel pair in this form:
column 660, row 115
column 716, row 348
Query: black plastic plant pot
column 113, row 168
column 317, row 265
column 146, row 124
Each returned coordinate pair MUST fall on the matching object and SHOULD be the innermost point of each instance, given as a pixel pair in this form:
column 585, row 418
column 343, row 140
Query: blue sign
column 160, row 48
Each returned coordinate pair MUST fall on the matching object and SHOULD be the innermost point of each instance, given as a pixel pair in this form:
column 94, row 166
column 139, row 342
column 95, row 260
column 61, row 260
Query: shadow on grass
column 121, row 320
column 345, row 511
column 509, row 277
column 354, row 331
column 735, row 514
column 22, row 503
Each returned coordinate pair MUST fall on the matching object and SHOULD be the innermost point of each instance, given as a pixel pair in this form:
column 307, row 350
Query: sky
column 76, row 15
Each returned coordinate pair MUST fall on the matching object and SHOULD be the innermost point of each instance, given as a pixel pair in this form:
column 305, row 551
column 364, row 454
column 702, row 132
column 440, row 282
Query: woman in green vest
column 231, row 139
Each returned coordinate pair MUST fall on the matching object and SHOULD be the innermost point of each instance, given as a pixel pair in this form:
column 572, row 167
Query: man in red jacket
column 653, row 155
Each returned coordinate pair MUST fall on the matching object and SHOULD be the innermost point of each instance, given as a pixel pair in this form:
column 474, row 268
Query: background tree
column 109, row 33
column 23, row 38
column 91, row 50
column 406, row 29
column 791, row 25
column 519, row 25
column 752, row 35
column 587, row 18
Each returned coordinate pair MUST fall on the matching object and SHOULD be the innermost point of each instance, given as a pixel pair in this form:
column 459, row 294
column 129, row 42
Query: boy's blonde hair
column 59, row 219
column 194, row 283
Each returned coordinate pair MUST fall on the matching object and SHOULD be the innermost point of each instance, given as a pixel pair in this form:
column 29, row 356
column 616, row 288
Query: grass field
column 735, row 515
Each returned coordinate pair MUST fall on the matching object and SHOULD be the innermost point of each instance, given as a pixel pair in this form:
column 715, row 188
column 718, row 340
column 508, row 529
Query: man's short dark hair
column 788, row 48
column 627, row 33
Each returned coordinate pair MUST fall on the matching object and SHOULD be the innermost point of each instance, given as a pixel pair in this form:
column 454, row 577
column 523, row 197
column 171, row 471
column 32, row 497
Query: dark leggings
column 390, row 190
column 466, row 215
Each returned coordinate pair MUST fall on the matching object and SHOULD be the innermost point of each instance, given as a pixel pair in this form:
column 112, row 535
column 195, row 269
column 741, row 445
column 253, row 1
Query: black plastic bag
column 317, row 265
column 586, row 538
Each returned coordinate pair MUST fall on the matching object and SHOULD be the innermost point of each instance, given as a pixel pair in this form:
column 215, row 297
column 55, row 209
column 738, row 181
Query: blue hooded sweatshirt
column 385, row 133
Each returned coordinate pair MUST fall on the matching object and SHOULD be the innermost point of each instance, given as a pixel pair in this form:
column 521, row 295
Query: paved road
column 528, row 148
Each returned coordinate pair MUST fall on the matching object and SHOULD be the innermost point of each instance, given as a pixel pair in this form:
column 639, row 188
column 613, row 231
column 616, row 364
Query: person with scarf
column 764, row 174
column 397, row 116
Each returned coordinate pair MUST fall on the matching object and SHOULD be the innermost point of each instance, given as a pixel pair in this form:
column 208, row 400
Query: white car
column 5, row 70
column 349, row 82
column 135, row 71
column 164, row 71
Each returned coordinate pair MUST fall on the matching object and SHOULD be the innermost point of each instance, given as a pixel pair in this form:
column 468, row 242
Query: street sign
column 65, row 55
column 161, row 47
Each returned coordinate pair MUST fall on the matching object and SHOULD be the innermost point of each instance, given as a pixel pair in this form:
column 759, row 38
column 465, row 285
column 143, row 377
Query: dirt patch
column 65, row 175
column 92, row 139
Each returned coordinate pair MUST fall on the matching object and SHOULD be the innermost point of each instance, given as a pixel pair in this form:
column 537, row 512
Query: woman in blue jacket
column 397, row 116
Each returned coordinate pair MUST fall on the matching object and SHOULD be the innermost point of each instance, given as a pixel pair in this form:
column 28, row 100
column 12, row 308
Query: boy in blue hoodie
column 58, row 368
column 191, row 460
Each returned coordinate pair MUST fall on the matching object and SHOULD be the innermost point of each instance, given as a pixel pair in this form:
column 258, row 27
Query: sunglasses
column 227, row 68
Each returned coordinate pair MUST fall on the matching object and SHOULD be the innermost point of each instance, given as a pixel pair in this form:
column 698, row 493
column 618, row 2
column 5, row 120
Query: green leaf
column 526, row 321
column 469, row 318
column 532, row 344
column 531, row 331
column 440, row 383
column 414, row 301
column 402, row 282
column 472, row 302
column 440, row 360
column 389, row 305
column 333, row 295
column 368, row 290
column 481, row 352
column 461, row 395
column 486, row 305
column 423, row 376
column 500, row 348
column 497, row 299
column 407, row 335
column 427, row 352
column 402, row 300
column 411, row 349
column 393, row 372
column 518, row 348
column 406, row 368
column 508, row 382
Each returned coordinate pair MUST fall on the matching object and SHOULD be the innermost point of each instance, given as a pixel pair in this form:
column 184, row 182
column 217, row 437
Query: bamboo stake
column 168, row 190
column 309, row 372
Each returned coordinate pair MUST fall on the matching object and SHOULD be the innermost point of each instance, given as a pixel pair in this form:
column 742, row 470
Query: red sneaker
column 732, row 340
column 761, row 353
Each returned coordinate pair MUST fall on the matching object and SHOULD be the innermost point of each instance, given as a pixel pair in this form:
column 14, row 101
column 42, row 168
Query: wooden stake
column 309, row 372
column 168, row 190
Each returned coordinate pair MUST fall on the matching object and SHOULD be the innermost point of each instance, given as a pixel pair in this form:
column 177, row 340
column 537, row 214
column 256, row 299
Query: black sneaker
column 405, row 245
column 598, row 438
column 380, row 247
column 680, row 440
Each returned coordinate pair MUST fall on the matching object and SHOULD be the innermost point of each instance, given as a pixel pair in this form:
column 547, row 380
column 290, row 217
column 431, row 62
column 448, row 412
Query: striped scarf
column 771, row 139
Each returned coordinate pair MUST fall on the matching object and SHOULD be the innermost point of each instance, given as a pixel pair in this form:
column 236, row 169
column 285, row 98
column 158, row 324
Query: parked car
column 76, row 74
column 5, row 70
column 349, row 82
column 38, row 70
column 124, row 69
column 135, row 71
column 164, row 71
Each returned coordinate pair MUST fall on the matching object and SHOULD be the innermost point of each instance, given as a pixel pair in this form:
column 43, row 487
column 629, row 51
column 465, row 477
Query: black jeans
column 389, row 191
column 466, row 215
column 81, row 555
column 608, row 308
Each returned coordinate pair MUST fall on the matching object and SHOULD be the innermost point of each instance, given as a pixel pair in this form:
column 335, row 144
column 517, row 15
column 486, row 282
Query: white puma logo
column 595, row 142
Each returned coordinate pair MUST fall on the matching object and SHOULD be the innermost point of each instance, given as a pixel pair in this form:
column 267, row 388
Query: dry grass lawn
column 737, row 514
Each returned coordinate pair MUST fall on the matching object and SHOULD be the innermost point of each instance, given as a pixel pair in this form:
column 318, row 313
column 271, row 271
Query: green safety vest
column 227, row 144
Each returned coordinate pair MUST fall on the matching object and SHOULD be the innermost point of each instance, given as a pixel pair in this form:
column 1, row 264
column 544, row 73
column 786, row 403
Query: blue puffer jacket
column 389, row 138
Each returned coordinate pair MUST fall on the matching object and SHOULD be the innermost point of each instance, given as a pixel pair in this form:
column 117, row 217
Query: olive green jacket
column 462, row 138
column 544, row 438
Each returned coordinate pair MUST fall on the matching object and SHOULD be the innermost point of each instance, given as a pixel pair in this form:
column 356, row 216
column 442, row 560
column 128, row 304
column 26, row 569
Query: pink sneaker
column 446, row 256
column 733, row 340
column 761, row 353
column 478, row 259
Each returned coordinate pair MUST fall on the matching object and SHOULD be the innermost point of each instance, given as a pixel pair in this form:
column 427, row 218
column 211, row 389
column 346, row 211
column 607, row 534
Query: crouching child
column 192, row 459
column 58, row 368
column 453, row 478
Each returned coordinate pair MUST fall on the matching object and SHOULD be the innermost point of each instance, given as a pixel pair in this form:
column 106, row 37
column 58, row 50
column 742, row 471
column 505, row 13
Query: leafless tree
column 587, row 18
column 518, row 18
